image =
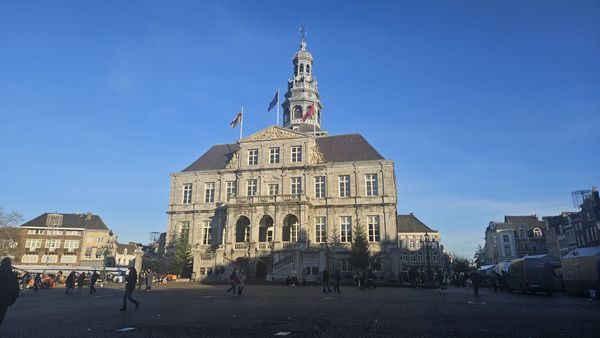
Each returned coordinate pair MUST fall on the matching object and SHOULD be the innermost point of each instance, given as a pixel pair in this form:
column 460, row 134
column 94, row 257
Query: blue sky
column 487, row 107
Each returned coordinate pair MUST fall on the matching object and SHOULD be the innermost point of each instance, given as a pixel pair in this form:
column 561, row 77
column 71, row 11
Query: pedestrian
column 149, row 280
column 141, row 280
column 440, row 279
column 337, row 278
column 80, row 282
column 326, row 287
column 233, row 281
column 241, row 282
column 129, row 288
column 371, row 280
column 9, row 287
column 25, row 281
column 37, row 283
column 476, row 281
column 93, row 280
column 70, row 283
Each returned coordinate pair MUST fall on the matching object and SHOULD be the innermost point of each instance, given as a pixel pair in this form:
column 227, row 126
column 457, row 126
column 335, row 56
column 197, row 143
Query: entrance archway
column 290, row 228
column 242, row 229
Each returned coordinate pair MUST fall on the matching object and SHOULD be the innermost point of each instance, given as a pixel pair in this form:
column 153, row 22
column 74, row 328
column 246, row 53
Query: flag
column 238, row 119
column 274, row 102
column 310, row 111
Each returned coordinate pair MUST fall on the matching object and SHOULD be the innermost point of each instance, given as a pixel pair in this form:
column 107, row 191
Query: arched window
column 242, row 230
column 297, row 112
column 307, row 69
column 265, row 231
column 290, row 229
column 301, row 68
column 537, row 232
column 296, row 70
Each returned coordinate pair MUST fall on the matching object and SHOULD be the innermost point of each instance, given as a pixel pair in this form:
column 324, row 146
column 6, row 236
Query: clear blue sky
column 487, row 107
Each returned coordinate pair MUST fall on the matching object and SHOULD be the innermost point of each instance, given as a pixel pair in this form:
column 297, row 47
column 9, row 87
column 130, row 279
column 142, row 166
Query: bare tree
column 9, row 234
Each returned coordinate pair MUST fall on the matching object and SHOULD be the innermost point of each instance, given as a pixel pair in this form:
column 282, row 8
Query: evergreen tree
column 181, row 261
column 359, row 255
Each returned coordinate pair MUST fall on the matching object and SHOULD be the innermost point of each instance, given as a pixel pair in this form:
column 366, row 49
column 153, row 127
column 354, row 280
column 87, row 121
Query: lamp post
column 427, row 244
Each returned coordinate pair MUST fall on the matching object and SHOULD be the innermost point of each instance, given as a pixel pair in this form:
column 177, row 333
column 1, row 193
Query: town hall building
column 287, row 199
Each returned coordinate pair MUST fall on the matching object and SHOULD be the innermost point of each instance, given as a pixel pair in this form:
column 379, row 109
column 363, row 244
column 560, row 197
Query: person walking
column 241, row 282
column 25, row 281
column 141, row 280
column 80, row 281
column 70, row 283
column 149, row 280
column 233, row 281
column 93, row 280
column 37, row 283
column 371, row 279
column 337, row 277
column 9, row 287
column 129, row 288
column 326, row 287
column 476, row 280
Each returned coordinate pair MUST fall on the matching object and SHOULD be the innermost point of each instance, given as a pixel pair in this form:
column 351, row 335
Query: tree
column 10, row 220
column 9, row 232
column 461, row 264
column 181, row 260
column 479, row 256
column 359, row 254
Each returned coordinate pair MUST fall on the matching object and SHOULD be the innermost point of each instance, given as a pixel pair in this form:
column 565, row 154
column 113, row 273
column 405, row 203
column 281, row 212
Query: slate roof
column 337, row 148
column 530, row 221
column 86, row 221
column 215, row 158
column 410, row 223
column 131, row 248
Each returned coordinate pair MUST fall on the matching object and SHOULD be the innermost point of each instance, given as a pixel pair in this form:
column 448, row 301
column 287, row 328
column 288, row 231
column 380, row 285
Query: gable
column 273, row 133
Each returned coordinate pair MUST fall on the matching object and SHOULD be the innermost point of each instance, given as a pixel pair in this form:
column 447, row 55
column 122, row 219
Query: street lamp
column 427, row 243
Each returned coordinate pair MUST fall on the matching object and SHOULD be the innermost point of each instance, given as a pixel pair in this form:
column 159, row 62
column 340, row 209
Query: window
column 52, row 244
column 206, row 233
column 55, row 232
column 185, row 228
column 296, row 185
column 297, row 112
column 371, row 184
column 73, row 233
column 35, row 232
column 33, row 244
column 320, row 187
column 49, row 259
column 507, row 251
column 537, row 232
column 71, row 244
column 209, row 192
column 373, row 223
column 68, row 259
column 274, row 155
column 231, row 189
column 505, row 239
column 344, row 265
column 296, row 154
column 307, row 69
column 253, row 157
column 344, row 186
column 345, row 229
column 273, row 189
column 411, row 244
column 320, row 230
column 187, row 193
column 29, row 259
column 251, row 187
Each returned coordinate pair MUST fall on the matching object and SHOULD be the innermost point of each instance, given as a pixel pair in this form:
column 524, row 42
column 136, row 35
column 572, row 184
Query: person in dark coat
column 93, row 281
column 476, row 280
column 233, row 281
column 70, row 283
column 9, row 287
column 149, row 280
column 337, row 278
column 129, row 288
column 80, row 282
column 326, row 287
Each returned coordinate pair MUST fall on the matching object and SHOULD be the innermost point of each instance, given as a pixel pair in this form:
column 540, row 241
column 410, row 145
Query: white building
column 286, row 197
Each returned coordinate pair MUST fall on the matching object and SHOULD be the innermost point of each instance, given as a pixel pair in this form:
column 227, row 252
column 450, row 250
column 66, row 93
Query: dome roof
column 303, row 53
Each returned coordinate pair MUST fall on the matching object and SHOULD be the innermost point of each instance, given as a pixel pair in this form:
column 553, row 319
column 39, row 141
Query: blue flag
column 274, row 102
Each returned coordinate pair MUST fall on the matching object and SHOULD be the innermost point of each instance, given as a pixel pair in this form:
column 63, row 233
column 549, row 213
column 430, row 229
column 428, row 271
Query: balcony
column 268, row 199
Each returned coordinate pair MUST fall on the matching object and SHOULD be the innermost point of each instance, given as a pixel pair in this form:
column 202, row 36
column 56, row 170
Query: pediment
column 273, row 133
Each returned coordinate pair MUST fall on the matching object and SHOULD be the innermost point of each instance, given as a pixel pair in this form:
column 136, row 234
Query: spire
column 302, row 95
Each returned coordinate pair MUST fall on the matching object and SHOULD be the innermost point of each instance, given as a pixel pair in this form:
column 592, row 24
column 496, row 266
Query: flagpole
column 242, row 123
column 278, row 107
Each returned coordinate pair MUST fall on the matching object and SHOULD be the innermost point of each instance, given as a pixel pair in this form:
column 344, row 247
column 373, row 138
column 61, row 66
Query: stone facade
column 516, row 237
column 286, row 198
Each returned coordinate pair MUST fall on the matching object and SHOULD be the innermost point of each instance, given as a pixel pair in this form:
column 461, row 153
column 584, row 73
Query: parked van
column 581, row 271
column 533, row 274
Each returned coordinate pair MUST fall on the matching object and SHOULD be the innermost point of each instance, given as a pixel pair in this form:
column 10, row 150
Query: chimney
column 88, row 216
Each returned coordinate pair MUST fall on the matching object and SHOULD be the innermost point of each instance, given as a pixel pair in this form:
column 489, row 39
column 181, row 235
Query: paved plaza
column 184, row 310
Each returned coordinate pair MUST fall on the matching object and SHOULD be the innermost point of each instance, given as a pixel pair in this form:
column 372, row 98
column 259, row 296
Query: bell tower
column 302, row 96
